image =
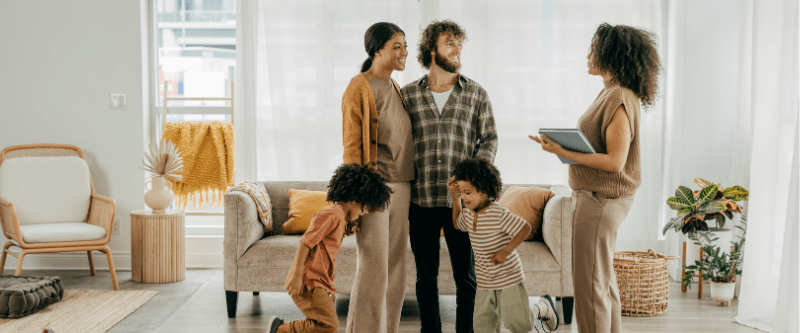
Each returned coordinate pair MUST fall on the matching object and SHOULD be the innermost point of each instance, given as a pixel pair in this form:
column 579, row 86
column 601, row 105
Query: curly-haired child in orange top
column 354, row 191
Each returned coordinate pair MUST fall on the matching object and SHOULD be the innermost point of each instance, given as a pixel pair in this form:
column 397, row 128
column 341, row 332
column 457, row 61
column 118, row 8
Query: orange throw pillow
column 527, row 203
column 302, row 207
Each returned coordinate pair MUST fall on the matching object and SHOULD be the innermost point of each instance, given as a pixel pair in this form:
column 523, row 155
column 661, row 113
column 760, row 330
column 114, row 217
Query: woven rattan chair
column 48, row 204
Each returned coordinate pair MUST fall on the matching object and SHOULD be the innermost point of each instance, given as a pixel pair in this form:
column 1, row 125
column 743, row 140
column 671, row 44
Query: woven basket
column 643, row 282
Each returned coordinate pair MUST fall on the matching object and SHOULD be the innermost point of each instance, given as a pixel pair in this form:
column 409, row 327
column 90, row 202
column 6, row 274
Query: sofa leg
column 567, row 305
column 231, row 298
column 255, row 293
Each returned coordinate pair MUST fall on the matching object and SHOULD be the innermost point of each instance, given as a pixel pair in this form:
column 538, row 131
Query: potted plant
column 696, row 208
column 717, row 265
column 164, row 161
column 711, row 202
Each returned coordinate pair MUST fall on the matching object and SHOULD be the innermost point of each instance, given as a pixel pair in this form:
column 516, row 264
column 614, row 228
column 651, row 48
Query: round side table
column 158, row 252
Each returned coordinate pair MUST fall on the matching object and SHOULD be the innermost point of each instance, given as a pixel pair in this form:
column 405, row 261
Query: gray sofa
column 254, row 262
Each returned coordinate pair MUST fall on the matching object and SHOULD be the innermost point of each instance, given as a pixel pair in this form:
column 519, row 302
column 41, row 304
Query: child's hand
column 500, row 256
column 294, row 284
column 452, row 187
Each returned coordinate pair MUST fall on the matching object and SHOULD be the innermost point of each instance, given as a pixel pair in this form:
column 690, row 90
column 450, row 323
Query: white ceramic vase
column 722, row 291
column 160, row 196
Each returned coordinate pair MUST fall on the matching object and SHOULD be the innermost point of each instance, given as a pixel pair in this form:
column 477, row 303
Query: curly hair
column 629, row 55
column 482, row 174
column 360, row 185
column 429, row 38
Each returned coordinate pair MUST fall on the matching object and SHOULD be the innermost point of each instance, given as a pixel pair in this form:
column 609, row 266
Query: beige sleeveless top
column 593, row 124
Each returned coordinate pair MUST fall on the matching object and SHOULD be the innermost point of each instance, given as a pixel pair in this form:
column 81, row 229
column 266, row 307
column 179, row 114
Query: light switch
column 118, row 102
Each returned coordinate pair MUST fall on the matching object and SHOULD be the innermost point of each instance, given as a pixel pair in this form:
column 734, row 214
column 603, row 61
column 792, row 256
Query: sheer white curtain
column 298, row 58
column 769, row 296
column 530, row 56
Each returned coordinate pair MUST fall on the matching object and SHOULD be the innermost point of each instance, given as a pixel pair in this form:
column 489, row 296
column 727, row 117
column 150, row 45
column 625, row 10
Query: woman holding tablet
column 604, row 183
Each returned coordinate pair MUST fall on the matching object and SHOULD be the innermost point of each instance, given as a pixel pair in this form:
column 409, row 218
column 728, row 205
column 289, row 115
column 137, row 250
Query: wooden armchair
column 48, row 204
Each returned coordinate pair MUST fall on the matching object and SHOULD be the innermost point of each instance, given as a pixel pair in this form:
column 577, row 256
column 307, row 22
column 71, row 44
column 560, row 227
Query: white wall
column 59, row 62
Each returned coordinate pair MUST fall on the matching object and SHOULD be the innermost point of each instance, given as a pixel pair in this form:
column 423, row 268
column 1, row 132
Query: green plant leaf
column 707, row 194
column 715, row 206
column 679, row 204
column 685, row 210
column 736, row 193
column 701, row 182
column 685, row 193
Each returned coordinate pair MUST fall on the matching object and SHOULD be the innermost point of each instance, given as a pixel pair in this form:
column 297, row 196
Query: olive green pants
column 508, row 305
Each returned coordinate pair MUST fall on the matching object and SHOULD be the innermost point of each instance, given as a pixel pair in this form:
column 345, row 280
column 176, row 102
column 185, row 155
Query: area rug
column 82, row 310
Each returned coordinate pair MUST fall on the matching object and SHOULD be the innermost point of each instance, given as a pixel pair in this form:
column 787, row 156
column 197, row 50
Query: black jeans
column 424, row 228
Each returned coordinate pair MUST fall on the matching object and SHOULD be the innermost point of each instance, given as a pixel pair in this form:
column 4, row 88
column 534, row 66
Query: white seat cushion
column 47, row 189
column 61, row 232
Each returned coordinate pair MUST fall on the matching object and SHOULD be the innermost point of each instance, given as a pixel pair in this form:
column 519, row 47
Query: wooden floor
column 206, row 312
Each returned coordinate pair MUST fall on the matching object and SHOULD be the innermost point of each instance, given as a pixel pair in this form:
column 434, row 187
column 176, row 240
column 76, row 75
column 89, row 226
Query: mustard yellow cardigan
column 360, row 122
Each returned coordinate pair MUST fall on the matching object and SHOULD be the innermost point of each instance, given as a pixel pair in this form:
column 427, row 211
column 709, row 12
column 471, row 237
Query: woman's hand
column 294, row 284
column 548, row 145
column 500, row 256
column 452, row 187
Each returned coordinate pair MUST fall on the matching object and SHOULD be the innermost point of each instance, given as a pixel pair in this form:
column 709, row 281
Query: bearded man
column 451, row 119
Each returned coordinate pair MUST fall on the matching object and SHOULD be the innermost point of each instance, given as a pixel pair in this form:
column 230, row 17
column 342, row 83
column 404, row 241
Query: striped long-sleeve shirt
column 465, row 129
column 495, row 228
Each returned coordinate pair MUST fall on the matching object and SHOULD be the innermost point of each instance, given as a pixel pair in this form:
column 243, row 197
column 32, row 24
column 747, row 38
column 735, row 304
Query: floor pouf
column 23, row 295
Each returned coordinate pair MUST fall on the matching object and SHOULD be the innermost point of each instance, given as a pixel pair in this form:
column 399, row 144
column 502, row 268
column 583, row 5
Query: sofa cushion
column 556, row 209
column 61, row 232
column 61, row 184
column 527, row 203
column 278, row 252
column 279, row 194
column 302, row 207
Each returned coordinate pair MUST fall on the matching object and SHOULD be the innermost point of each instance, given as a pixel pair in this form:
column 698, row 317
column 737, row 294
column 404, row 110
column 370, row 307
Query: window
column 194, row 46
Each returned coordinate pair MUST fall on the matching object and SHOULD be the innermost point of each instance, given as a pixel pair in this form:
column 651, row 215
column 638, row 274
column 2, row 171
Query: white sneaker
column 547, row 313
column 273, row 323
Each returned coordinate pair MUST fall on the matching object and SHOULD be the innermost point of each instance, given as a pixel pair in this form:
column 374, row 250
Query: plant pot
column 722, row 292
column 160, row 196
column 725, row 237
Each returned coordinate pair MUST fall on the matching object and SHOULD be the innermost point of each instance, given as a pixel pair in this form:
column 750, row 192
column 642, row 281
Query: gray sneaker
column 549, row 318
column 273, row 323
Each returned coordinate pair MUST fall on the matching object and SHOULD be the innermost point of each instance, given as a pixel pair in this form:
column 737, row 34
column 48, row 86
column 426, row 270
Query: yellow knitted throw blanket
column 207, row 152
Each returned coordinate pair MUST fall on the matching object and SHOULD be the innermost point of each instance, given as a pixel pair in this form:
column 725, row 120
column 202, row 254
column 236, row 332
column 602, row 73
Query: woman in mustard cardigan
column 604, row 183
column 377, row 133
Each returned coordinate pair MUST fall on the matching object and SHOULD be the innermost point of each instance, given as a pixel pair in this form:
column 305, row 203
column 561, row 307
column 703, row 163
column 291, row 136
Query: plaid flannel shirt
column 465, row 129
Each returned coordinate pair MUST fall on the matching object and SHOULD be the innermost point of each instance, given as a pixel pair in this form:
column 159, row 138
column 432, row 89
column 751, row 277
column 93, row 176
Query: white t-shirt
column 441, row 99
column 495, row 228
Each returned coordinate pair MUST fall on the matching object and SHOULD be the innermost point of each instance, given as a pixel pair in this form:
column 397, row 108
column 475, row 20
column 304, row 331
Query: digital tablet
column 571, row 139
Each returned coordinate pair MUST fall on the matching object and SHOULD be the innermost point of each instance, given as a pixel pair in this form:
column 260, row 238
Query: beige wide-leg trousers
column 380, row 283
column 596, row 219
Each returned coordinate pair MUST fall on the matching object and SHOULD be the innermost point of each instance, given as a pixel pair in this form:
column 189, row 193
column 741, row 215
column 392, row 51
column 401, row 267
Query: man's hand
column 294, row 284
column 548, row 145
column 500, row 256
column 452, row 187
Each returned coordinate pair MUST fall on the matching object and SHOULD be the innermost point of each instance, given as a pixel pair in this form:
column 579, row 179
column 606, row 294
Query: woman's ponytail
column 367, row 64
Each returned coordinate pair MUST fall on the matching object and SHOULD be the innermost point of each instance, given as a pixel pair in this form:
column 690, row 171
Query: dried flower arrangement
column 164, row 160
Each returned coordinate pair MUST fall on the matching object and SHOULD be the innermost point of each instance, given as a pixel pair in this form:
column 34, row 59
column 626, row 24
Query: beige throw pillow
column 527, row 203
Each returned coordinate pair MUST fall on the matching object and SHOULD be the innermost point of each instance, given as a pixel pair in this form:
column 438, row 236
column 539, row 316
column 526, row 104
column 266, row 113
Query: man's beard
column 446, row 64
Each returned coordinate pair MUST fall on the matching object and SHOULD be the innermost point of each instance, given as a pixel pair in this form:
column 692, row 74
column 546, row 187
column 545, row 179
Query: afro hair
column 482, row 174
column 359, row 184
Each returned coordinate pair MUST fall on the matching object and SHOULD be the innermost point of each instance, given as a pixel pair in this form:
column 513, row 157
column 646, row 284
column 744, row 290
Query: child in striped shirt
column 495, row 234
